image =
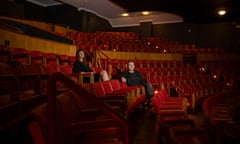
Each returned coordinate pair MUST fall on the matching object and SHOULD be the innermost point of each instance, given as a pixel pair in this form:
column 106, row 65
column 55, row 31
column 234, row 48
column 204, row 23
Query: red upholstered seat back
column 98, row 89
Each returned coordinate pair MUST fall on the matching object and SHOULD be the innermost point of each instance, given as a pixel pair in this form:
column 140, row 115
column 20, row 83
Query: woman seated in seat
column 80, row 66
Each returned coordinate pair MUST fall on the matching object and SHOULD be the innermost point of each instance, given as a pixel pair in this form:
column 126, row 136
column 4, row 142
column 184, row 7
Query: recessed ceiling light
column 145, row 12
column 221, row 12
column 125, row 14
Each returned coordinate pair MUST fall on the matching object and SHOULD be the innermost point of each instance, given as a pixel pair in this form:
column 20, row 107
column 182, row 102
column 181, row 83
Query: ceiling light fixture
column 221, row 12
column 145, row 12
column 125, row 14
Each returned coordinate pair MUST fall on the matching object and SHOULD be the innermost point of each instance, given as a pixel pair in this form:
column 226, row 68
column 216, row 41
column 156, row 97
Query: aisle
column 144, row 128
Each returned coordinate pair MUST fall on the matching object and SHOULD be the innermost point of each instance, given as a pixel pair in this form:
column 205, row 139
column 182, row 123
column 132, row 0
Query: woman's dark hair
column 77, row 53
column 86, row 57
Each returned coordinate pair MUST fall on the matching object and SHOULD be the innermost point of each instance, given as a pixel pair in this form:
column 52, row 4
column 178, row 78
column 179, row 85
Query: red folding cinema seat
column 67, row 69
column 166, row 97
column 50, row 68
column 170, row 108
column 165, row 103
column 50, row 58
column 133, row 93
column 36, row 57
column 19, row 54
column 4, row 54
column 112, row 86
column 109, row 91
column 155, row 82
column 72, row 59
column 137, row 92
column 118, row 86
column 117, row 101
column 186, row 90
column 63, row 60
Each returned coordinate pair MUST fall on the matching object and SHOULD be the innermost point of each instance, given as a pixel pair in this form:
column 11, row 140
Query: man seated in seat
column 133, row 77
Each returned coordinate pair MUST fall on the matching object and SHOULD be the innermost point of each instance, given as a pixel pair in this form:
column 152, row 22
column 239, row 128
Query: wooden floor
column 144, row 128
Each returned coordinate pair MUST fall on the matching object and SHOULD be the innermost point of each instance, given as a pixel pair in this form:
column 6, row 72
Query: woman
column 80, row 66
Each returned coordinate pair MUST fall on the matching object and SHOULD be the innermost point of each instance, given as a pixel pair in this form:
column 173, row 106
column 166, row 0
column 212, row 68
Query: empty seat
column 163, row 107
column 63, row 60
column 50, row 68
column 36, row 57
column 67, row 69
column 19, row 55
column 5, row 56
column 50, row 58
column 72, row 59
column 116, row 101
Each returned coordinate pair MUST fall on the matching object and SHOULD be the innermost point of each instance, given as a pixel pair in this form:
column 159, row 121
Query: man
column 132, row 77
column 135, row 78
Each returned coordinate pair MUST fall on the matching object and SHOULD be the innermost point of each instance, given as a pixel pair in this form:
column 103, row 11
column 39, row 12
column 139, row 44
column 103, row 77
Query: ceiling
column 162, row 11
column 190, row 10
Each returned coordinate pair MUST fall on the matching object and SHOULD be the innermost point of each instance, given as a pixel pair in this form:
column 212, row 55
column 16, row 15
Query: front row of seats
column 113, row 91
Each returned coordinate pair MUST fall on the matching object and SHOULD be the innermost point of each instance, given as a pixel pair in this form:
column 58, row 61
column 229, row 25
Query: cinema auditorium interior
column 188, row 51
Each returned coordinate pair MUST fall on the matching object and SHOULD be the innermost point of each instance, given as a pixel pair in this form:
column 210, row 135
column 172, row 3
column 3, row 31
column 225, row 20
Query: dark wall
column 145, row 30
column 34, row 12
column 64, row 15
column 93, row 23
column 172, row 31
column 236, row 38
column 12, row 8
column 189, row 33
column 217, row 35
column 68, row 16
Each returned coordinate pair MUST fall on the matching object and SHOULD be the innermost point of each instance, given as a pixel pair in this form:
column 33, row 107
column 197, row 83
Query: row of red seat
column 9, row 54
column 163, row 104
column 130, row 97
column 222, row 106
column 127, row 41
column 19, row 94
column 221, row 111
column 175, row 126
column 195, row 87
column 122, row 63
column 182, row 130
